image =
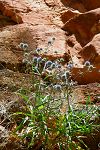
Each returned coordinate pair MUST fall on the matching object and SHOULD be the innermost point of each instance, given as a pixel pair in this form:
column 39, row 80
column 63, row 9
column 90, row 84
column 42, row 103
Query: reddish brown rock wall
column 35, row 22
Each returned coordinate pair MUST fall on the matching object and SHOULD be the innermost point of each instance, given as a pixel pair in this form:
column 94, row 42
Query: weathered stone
column 84, row 26
column 40, row 21
column 82, row 5
column 68, row 14
column 74, row 4
column 85, row 76
column 91, row 4
column 36, row 30
column 91, row 51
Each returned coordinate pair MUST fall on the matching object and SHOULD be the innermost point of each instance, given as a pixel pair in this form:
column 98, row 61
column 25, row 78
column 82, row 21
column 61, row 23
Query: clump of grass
column 40, row 124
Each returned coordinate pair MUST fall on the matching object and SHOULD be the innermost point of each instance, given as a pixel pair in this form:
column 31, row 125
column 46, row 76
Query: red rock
column 84, row 26
column 76, row 5
column 91, row 51
column 82, row 5
column 91, row 4
column 36, row 29
column 7, row 8
column 84, row 76
column 38, row 23
column 68, row 14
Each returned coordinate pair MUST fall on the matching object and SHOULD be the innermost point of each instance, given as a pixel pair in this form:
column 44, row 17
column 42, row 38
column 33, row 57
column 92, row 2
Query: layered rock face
column 35, row 22
column 85, row 25
column 75, row 25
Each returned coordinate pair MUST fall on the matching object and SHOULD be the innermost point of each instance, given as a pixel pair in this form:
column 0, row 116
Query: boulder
column 84, row 26
column 35, row 27
column 82, row 5
column 68, row 14
column 91, row 51
column 91, row 4
column 84, row 76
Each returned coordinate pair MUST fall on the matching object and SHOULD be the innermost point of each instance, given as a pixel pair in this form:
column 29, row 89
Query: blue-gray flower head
column 35, row 59
column 48, row 64
column 2, row 110
column 67, row 74
column 25, row 46
column 53, row 65
column 39, row 59
column 70, row 66
column 87, row 63
column 57, row 87
column 38, row 50
column 21, row 45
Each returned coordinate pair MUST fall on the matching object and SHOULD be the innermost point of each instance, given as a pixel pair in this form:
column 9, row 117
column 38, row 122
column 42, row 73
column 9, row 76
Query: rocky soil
column 75, row 25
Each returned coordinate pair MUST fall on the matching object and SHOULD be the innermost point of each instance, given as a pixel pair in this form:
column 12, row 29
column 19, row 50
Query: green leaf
column 40, row 107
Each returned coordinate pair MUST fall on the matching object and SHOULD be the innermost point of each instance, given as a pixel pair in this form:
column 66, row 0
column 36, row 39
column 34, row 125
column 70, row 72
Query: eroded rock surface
column 82, row 5
column 36, row 22
column 84, row 26
column 91, row 51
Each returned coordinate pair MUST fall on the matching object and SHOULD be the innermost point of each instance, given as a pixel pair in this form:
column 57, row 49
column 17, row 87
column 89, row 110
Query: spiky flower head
column 35, row 59
column 70, row 66
column 67, row 74
column 87, row 63
column 39, row 59
column 57, row 87
column 21, row 45
column 53, row 65
column 38, row 50
column 25, row 46
column 48, row 64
